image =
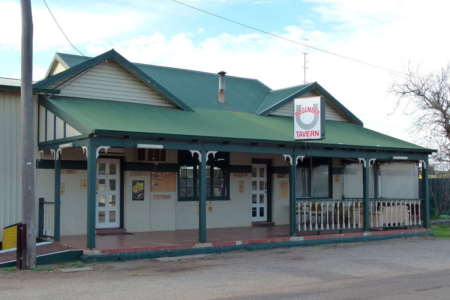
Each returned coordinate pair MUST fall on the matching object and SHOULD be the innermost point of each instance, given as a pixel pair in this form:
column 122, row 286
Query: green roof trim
column 119, row 58
column 129, row 119
column 278, row 98
column 35, row 90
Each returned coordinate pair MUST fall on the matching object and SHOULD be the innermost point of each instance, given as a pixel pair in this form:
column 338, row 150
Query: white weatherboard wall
column 331, row 112
column 168, row 215
column 110, row 81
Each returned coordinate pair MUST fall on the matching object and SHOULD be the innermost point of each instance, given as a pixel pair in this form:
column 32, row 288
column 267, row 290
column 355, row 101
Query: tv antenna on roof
column 305, row 61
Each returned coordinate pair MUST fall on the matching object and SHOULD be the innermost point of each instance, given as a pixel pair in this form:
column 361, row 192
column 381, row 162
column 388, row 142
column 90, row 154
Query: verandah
column 293, row 155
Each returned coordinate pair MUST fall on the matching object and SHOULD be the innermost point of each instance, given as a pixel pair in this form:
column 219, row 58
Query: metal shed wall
column 10, row 166
column 10, row 157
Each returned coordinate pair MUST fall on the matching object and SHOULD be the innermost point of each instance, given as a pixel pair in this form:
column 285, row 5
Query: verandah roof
column 110, row 117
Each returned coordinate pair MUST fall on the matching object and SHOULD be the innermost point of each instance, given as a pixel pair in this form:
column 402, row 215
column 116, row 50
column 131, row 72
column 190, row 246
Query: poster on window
column 284, row 185
column 309, row 116
column 138, row 190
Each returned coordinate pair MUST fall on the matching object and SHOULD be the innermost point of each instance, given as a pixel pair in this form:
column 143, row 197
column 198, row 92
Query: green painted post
column 426, row 182
column 292, row 180
column 366, row 193
column 202, row 203
column 91, row 194
column 57, row 206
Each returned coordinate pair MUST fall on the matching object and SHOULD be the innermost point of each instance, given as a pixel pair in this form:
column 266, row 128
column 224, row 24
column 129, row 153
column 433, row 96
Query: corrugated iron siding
column 10, row 166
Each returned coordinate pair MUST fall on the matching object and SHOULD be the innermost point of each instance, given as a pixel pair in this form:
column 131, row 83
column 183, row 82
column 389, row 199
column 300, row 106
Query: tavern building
column 129, row 147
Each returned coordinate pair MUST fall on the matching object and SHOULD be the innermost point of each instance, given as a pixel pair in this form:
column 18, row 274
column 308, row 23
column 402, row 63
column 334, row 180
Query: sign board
column 309, row 118
column 284, row 186
column 161, row 197
column 240, row 175
column 68, row 172
column 163, row 182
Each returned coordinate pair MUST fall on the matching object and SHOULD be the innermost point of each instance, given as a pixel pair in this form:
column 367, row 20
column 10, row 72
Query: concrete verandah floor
column 185, row 239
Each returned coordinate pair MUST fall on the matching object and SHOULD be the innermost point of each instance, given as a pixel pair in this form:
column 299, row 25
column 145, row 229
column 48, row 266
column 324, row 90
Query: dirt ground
column 413, row 268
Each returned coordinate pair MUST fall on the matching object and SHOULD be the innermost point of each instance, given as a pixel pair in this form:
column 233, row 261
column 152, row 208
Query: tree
column 426, row 99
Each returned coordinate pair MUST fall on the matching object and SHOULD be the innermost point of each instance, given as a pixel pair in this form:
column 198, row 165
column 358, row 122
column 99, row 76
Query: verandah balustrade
column 348, row 214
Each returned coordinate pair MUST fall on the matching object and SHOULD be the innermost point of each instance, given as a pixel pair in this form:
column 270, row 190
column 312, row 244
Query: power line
column 286, row 39
column 61, row 29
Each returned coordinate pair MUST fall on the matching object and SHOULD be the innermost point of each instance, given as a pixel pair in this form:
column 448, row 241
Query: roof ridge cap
column 290, row 87
column 189, row 70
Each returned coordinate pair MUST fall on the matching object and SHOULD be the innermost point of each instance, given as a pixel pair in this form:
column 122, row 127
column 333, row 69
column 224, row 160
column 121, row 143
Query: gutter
column 35, row 90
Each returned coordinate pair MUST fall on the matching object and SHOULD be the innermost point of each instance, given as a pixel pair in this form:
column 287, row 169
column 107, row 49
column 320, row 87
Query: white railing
column 318, row 215
column 385, row 213
column 323, row 215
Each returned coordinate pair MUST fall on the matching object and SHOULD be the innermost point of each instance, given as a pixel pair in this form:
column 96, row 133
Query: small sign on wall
column 63, row 188
column 83, row 183
column 138, row 190
column 68, row 172
column 241, row 187
column 138, row 173
column 284, row 186
column 281, row 175
column 337, row 178
column 240, row 175
column 161, row 197
column 209, row 207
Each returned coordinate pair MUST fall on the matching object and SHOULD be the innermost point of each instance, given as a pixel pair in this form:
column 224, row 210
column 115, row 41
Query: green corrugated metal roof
column 72, row 60
column 199, row 89
column 276, row 96
column 95, row 116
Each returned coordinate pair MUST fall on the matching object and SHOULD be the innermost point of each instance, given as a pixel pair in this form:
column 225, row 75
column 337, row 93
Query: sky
column 390, row 34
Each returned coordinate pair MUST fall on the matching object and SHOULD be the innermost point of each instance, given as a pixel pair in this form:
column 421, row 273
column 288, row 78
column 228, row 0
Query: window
column 151, row 154
column 217, row 177
column 313, row 178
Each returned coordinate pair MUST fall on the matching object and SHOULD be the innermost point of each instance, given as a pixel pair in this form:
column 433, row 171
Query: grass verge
column 441, row 231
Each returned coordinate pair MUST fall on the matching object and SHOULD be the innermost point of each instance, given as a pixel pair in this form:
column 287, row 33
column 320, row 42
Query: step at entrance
column 117, row 231
column 263, row 224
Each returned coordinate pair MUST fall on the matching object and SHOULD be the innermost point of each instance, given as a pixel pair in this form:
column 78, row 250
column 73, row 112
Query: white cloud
column 80, row 27
column 360, row 30
column 38, row 73
column 385, row 33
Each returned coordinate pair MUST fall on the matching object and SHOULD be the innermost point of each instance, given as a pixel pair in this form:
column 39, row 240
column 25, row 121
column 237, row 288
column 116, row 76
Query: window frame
column 330, row 179
column 196, row 178
column 147, row 155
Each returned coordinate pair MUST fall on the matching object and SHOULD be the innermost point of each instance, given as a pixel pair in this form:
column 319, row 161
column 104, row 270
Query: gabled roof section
column 278, row 98
column 112, row 54
column 197, row 89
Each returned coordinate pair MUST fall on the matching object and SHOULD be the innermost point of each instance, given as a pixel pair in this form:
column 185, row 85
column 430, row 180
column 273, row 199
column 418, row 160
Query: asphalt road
column 415, row 268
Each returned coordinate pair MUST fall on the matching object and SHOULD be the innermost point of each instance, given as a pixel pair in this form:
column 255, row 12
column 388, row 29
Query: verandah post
column 292, row 180
column 202, row 202
column 426, row 191
column 91, row 193
column 366, row 193
column 57, row 205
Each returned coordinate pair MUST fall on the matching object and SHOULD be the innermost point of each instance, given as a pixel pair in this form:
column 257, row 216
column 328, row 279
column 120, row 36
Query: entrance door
column 259, row 193
column 108, row 193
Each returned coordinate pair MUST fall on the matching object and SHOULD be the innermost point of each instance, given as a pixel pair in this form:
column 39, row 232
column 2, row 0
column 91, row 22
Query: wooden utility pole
column 28, row 206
